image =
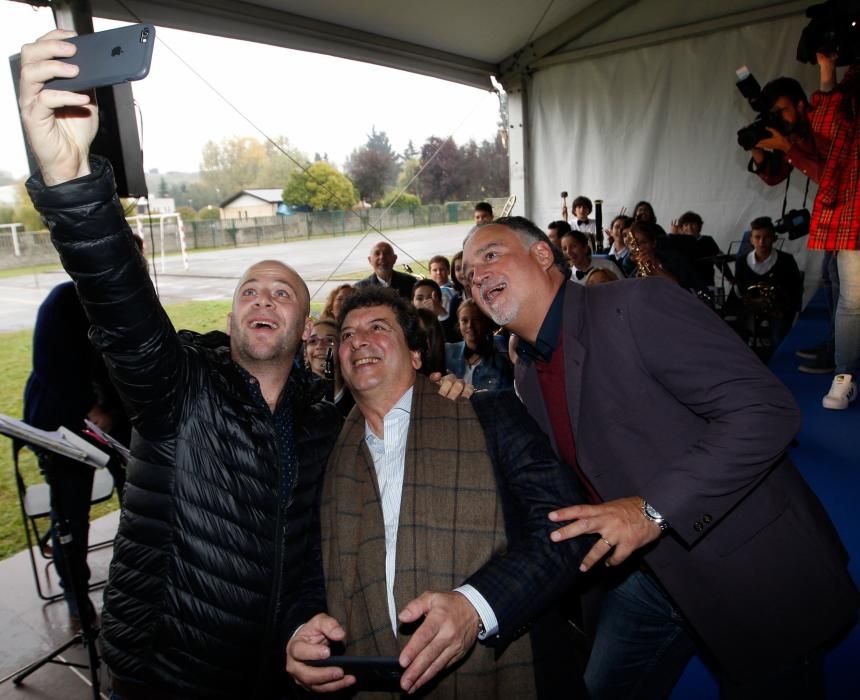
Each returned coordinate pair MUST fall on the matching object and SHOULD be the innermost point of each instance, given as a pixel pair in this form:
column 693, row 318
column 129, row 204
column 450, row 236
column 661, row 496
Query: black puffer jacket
column 206, row 564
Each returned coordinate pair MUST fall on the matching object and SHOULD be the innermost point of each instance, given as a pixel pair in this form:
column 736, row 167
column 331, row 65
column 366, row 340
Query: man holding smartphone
column 229, row 443
column 435, row 533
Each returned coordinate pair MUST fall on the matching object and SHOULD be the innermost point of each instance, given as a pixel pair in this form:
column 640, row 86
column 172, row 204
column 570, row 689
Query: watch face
column 651, row 513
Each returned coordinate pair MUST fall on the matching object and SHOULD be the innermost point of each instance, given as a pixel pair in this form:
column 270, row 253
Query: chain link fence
column 35, row 246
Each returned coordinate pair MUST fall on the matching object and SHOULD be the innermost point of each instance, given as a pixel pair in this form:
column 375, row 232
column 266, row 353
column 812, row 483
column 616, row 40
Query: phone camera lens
column 144, row 36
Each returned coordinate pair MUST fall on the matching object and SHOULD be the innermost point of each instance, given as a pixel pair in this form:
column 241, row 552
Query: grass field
column 31, row 270
column 15, row 363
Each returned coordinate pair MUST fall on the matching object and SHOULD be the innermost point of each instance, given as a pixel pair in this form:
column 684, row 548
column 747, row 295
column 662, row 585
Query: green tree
column 472, row 172
column 187, row 213
column 282, row 161
column 232, row 165
column 496, row 170
column 407, row 180
column 378, row 141
column 209, row 214
column 374, row 166
column 410, row 153
column 441, row 179
column 404, row 201
column 23, row 211
column 26, row 214
column 321, row 186
column 243, row 162
column 195, row 194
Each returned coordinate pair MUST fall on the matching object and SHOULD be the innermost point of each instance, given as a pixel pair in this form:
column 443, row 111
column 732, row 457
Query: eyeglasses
column 324, row 340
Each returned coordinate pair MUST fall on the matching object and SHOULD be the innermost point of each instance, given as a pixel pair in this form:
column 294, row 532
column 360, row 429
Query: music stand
column 67, row 444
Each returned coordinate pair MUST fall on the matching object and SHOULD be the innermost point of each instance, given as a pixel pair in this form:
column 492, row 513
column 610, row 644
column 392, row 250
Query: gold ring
column 608, row 543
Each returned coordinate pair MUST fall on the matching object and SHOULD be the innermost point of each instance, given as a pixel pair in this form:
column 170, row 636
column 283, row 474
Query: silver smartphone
column 109, row 58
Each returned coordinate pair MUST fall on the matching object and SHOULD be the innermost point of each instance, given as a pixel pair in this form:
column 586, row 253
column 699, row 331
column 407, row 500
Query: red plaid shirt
column 832, row 159
column 836, row 215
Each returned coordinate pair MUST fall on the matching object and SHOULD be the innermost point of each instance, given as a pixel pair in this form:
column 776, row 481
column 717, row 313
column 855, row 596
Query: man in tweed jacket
column 438, row 510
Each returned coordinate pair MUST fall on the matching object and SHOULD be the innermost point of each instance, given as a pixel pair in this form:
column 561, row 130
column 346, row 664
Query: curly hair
column 405, row 314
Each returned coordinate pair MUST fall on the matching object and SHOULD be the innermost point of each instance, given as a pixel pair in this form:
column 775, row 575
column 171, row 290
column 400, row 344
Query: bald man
column 382, row 258
column 230, row 438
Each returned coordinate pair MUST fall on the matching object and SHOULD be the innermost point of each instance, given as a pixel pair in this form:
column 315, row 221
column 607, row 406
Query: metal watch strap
column 650, row 513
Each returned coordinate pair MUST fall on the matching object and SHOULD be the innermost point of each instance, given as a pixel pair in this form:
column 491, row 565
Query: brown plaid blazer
column 461, row 499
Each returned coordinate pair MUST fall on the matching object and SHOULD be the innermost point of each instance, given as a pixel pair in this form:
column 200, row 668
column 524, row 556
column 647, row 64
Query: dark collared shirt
column 551, row 377
column 282, row 418
column 549, row 334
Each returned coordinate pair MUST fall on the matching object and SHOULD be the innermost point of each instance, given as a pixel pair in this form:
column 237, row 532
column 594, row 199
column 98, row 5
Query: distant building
column 249, row 204
column 156, row 205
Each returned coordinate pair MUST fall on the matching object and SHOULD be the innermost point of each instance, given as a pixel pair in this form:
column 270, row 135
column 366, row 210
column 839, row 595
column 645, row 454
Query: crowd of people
column 303, row 490
column 762, row 303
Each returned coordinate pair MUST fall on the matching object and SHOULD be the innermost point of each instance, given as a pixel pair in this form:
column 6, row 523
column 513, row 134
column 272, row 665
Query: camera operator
column 821, row 139
column 792, row 144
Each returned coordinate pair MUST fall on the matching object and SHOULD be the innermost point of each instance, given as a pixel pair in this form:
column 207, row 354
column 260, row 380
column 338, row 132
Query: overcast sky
column 321, row 104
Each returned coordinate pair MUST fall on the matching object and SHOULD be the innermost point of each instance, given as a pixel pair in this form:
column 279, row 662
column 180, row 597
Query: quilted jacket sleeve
column 129, row 326
column 535, row 571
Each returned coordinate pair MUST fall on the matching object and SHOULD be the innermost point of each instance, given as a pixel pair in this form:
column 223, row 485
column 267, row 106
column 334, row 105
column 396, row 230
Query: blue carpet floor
column 828, row 456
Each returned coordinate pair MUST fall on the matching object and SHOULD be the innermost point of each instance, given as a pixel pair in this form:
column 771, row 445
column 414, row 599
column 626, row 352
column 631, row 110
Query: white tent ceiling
column 464, row 41
column 638, row 90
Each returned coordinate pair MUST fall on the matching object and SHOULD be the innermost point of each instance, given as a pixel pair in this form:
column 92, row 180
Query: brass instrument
column 643, row 269
column 509, row 205
column 762, row 298
column 564, row 213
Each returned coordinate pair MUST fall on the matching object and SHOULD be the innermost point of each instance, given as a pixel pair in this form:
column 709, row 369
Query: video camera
column 834, row 28
column 750, row 135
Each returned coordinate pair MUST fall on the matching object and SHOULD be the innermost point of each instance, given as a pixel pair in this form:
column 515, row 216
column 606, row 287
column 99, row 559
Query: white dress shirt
column 619, row 255
column 589, row 226
column 596, row 264
column 763, row 267
column 389, row 462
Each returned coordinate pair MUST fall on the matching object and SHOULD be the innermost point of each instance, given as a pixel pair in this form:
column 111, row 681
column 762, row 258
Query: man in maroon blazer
column 679, row 434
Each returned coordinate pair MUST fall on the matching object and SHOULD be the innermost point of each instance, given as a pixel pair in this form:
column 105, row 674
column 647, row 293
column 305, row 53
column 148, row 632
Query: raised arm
column 60, row 125
column 76, row 195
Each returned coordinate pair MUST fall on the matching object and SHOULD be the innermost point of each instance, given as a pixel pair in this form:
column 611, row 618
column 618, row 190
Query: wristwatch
column 649, row 513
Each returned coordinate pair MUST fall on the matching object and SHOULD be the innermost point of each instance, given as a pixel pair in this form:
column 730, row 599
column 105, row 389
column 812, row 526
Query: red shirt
column 836, row 215
column 552, row 385
column 832, row 159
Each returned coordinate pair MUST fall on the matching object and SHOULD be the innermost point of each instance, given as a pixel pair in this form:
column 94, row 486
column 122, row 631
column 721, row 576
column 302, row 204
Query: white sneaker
column 842, row 392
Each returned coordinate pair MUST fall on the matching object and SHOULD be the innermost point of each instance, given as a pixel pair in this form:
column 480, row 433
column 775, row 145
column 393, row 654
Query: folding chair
column 35, row 502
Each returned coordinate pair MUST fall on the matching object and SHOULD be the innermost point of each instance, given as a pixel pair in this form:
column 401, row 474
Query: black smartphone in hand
column 366, row 669
column 108, row 58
